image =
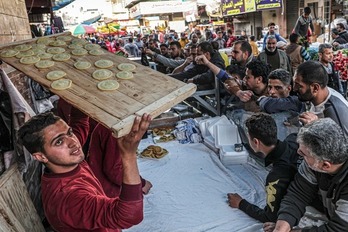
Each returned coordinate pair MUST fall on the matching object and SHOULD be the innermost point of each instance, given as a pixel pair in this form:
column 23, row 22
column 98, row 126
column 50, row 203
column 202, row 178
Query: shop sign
column 236, row 7
column 161, row 7
column 268, row 4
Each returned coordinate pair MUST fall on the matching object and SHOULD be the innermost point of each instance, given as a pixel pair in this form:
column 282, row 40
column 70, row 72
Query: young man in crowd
column 326, row 59
column 279, row 98
column 176, row 56
column 200, row 74
column 262, row 136
column 73, row 199
column 303, row 23
column 324, row 148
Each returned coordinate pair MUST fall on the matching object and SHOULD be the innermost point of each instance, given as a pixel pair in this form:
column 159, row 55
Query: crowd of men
column 308, row 169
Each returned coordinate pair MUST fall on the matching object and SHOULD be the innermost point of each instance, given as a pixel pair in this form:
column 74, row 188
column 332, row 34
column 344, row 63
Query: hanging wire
column 31, row 7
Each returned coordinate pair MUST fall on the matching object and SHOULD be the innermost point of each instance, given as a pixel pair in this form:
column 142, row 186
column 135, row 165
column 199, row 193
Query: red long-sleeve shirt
column 75, row 201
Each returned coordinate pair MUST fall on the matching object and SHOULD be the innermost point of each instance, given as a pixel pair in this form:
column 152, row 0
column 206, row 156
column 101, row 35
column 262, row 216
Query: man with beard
column 310, row 84
column 279, row 100
column 189, row 61
column 194, row 40
column 275, row 57
column 271, row 31
column 325, row 172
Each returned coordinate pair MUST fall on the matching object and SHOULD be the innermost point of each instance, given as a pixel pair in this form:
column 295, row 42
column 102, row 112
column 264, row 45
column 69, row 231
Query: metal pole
column 328, row 40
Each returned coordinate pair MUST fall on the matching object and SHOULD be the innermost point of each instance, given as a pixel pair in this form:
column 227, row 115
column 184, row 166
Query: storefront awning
column 58, row 4
column 91, row 20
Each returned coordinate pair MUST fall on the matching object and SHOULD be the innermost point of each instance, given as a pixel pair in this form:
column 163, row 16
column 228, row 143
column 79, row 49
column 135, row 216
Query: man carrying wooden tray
column 73, row 198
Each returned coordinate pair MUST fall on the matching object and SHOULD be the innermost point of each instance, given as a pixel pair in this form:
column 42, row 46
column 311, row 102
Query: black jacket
column 344, row 35
column 306, row 185
column 201, row 74
column 336, row 108
column 284, row 160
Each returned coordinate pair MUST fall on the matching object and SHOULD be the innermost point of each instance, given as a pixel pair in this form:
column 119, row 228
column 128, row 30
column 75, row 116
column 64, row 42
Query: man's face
column 193, row 53
column 164, row 50
column 271, row 29
column 327, row 56
column 61, row 147
column 201, row 52
column 313, row 162
column 238, row 56
column 277, row 89
column 271, row 45
column 250, row 80
column 174, row 51
column 194, row 38
column 152, row 44
column 303, row 90
column 219, row 35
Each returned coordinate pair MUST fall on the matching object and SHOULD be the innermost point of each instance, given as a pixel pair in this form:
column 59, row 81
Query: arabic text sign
column 268, row 4
column 233, row 7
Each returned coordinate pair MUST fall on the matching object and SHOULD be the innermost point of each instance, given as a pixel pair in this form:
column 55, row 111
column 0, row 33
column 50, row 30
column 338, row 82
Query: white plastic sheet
column 189, row 191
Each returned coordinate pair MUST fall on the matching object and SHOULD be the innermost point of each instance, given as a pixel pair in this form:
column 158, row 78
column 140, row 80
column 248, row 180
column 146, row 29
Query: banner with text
column 236, row 7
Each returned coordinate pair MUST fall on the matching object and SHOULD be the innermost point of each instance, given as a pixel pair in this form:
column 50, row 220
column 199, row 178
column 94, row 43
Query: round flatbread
column 57, row 43
column 9, row 53
column 61, row 84
column 79, row 52
column 124, row 75
column 55, row 75
column 44, row 64
column 126, row 67
column 55, row 50
column 45, row 56
column 79, row 41
column 29, row 59
column 108, row 85
column 102, row 74
column 64, row 38
column 23, row 47
column 38, row 51
column 61, row 57
column 96, row 52
column 75, row 46
column 82, row 65
column 104, row 63
column 25, row 53
column 91, row 46
column 44, row 40
column 38, row 46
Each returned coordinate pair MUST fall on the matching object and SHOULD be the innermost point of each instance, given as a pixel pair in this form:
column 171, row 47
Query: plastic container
column 228, row 156
column 227, row 140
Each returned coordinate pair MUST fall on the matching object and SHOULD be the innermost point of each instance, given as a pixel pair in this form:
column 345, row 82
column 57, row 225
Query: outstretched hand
column 128, row 144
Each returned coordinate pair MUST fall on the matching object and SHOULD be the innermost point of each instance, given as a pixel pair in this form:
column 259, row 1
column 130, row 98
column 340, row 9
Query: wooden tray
column 148, row 92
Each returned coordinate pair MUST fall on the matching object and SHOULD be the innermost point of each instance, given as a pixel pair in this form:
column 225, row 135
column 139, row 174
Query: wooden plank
column 16, row 205
column 148, row 92
column 154, row 109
